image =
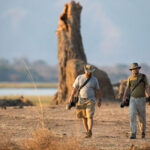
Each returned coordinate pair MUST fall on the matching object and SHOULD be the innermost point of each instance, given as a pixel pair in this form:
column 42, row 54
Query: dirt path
column 111, row 125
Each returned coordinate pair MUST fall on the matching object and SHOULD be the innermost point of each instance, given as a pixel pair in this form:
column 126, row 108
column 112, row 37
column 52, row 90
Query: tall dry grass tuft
column 35, row 87
column 42, row 139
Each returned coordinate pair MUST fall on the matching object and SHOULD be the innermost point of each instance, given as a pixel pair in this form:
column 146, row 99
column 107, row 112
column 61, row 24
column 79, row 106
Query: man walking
column 86, row 105
column 137, row 84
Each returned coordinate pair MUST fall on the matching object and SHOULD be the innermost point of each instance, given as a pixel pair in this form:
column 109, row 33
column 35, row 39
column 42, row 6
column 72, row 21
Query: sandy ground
column 110, row 132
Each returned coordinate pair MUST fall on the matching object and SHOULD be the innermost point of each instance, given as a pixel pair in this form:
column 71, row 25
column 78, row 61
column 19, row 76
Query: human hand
column 99, row 103
column 148, row 99
column 70, row 99
column 124, row 99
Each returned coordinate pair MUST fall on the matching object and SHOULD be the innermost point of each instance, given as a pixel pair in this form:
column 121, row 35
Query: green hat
column 134, row 66
column 89, row 68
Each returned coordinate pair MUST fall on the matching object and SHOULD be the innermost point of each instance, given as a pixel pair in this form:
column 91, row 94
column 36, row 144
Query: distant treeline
column 121, row 71
column 21, row 70
column 18, row 71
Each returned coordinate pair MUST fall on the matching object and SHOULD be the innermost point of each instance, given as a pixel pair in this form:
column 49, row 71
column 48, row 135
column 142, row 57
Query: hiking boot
column 133, row 136
column 88, row 134
column 143, row 135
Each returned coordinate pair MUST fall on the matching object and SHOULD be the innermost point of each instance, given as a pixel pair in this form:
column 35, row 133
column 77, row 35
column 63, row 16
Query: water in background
column 27, row 91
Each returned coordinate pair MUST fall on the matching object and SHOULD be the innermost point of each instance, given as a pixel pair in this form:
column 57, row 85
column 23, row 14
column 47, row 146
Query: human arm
column 72, row 94
column 126, row 90
column 75, row 89
column 148, row 90
column 99, row 97
column 98, row 92
column 125, row 93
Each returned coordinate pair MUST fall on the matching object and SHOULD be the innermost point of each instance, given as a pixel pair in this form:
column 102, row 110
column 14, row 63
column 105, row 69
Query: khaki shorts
column 85, row 108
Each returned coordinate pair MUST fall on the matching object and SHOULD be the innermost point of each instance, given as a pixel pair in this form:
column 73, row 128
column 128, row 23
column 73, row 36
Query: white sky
column 113, row 31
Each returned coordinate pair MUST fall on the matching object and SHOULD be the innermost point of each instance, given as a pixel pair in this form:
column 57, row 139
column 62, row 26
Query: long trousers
column 137, row 108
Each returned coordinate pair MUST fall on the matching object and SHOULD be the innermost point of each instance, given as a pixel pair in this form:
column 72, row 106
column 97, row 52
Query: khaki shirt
column 139, row 91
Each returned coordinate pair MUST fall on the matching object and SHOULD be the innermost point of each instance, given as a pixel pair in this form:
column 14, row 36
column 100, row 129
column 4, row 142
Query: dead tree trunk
column 69, row 44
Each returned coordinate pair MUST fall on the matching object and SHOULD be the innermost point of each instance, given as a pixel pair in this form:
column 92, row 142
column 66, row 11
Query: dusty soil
column 110, row 132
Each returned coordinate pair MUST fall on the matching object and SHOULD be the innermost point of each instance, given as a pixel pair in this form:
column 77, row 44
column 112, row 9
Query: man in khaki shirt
column 137, row 99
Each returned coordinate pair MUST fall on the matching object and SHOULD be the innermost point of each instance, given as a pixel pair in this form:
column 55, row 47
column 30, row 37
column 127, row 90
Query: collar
column 136, row 75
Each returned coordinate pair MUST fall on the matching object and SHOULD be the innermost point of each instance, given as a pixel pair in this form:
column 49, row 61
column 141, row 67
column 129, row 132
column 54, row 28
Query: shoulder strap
column 84, row 83
column 141, row 80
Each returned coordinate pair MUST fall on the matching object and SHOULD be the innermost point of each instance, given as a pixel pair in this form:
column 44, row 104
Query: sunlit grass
column 43, row 139
column 27, row 85
column 45, row 100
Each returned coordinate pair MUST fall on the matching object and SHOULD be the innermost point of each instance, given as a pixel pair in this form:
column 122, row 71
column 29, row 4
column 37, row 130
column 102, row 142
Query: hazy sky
column 113, row 31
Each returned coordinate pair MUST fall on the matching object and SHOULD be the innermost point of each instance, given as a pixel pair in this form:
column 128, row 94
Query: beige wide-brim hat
column 134, row 66
column 89, row 68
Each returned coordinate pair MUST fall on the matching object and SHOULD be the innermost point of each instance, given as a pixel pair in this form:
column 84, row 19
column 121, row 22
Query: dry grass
column 111, row 129
column 27, row 85
column 144, row 147
column 42, row 139
column 6, row 143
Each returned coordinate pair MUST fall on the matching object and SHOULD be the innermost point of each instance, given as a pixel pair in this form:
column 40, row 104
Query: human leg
column 89, row 114
column 133, row 112
column 90, row 123
column 85, row 124
column 142, row 115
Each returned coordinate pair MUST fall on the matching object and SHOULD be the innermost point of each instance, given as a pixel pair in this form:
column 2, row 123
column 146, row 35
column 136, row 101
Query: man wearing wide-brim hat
column 86, row 105
column 137, row 99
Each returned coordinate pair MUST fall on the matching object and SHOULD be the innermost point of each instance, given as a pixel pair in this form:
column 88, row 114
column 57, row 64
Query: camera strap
column 141, row 80
column 84, row 83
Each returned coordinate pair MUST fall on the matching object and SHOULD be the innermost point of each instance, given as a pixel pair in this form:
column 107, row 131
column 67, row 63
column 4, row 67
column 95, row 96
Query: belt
column 83, row 98
column 138, row 97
